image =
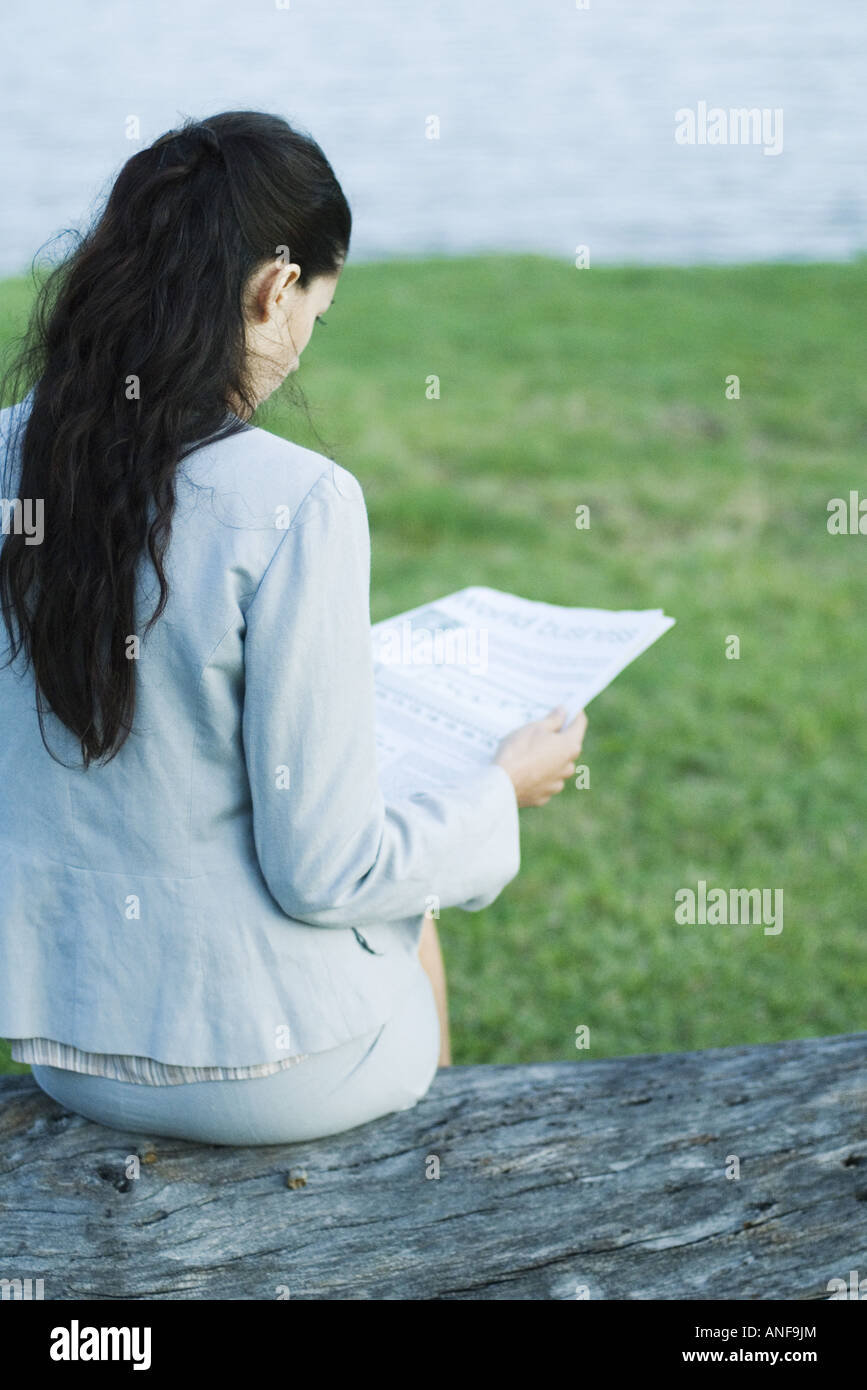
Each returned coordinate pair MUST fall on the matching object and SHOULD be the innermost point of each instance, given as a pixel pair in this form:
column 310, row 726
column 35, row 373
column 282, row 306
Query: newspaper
column 454, row 676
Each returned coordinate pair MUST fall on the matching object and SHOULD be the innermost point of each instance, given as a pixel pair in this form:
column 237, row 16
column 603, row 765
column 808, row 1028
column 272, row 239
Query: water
column 556, row 123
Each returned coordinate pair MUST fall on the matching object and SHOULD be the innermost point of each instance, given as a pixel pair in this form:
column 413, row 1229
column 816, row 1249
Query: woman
column 211, row 925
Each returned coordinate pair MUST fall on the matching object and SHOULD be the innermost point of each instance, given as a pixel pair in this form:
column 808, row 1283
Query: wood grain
column 608, row 1175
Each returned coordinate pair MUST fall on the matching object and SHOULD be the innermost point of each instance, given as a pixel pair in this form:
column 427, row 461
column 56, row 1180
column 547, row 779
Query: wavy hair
column 152, row 295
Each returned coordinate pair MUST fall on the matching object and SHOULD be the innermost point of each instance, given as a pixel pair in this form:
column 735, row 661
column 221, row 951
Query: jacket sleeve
column 332, row 852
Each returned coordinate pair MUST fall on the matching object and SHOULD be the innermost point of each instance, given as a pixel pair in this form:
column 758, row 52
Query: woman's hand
column 540, row 756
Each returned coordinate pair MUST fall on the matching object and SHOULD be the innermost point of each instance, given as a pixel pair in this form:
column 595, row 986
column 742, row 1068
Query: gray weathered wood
column 609, row 1174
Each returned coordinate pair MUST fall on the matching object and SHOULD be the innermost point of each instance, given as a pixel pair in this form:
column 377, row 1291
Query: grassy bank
column 607, row 387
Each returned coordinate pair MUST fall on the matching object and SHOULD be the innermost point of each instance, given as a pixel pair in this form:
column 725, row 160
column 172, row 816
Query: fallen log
column 738, row 1172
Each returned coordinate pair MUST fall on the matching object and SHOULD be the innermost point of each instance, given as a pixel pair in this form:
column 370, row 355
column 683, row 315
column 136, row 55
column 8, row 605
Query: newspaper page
column 454, row 676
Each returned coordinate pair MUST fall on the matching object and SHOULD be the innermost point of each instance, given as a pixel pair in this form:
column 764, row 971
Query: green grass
column 606, row 387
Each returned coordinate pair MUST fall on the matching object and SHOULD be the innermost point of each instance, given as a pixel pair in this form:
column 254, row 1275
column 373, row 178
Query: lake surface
column 557, row 124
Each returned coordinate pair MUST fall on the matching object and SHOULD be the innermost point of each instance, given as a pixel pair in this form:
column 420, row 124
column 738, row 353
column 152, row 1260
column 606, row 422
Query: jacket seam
column 279, row 546
column 296, row 526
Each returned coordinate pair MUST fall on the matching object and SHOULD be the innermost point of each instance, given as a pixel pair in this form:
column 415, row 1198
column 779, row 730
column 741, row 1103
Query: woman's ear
column 269, row 288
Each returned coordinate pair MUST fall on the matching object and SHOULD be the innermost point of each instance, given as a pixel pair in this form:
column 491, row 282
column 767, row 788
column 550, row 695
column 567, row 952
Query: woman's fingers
column 555, row 719
column 574, row 733
column 541, row 755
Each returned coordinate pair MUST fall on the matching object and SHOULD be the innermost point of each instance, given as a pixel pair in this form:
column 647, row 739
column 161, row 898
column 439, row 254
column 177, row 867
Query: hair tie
column 210, row 138
column 188, row 146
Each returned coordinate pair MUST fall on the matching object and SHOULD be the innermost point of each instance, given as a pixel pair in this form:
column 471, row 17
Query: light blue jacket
column 203, row 899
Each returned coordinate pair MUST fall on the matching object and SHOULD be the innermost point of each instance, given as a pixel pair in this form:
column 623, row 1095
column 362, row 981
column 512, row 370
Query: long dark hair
column 135, row 349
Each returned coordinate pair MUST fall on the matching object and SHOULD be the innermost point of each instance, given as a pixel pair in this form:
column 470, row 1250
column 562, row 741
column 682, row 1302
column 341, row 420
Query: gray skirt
column 386, row 1070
